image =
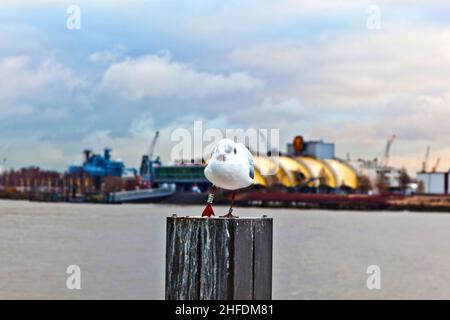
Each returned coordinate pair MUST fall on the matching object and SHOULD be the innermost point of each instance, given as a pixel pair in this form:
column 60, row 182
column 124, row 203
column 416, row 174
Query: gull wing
column 248, row 156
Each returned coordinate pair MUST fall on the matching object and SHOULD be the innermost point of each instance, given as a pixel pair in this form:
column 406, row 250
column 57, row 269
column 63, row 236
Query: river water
column 318, row 254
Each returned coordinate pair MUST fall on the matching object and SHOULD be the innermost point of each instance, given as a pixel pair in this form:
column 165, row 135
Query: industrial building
column 317, row 149
column 434, row 182
column 308, row 166
column 373, row 169
column 430, row 180
column 96, row 165
column 99, row 168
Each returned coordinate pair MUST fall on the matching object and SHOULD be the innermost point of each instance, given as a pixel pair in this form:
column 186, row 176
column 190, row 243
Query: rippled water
column 317, row 254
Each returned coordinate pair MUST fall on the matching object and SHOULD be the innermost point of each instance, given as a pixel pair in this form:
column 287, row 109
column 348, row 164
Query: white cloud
column 20, row 79
column 102, row 57
column 107, row 56
column 280, row 113
column 365, row 68
column 159, row 76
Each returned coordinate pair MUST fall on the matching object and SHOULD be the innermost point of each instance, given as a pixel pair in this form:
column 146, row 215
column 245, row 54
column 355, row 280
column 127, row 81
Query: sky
column 321, row 69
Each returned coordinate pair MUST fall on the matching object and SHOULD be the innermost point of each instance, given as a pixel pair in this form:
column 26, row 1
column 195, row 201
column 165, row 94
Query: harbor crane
column 152, row 145
column 148, row 161
column 425, row 160
column 384, row 161
column 436, row 165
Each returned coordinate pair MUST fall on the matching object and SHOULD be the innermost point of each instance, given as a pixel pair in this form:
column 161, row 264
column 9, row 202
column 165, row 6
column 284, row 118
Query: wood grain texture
column 218, row 259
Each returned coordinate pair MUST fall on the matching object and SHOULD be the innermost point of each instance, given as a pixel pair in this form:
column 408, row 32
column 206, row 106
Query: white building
column 434, row 182
column 372, row 170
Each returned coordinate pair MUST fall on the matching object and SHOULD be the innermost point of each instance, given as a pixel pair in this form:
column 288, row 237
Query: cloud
column 107, row 56
column 270, row 113
column 41, row 74
column 21, row 81
column 362, row 78
column 160, row 77
column 364, row 68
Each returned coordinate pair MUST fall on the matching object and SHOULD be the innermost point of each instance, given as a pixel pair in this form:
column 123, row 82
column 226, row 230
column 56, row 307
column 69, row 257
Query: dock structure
column 219, row 258
column 144, row 195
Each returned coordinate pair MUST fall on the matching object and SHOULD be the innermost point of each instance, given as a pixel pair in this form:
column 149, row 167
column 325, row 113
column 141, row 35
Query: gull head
column 224, row 150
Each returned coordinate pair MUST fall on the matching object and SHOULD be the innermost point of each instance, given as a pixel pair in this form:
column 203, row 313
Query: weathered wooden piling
column 219, row 258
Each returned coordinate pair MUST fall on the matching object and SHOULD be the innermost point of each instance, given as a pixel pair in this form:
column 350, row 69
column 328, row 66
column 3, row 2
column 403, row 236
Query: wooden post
column 219, row 258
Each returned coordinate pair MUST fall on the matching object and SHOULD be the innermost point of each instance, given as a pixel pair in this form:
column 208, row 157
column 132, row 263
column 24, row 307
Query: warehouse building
column 434, row 182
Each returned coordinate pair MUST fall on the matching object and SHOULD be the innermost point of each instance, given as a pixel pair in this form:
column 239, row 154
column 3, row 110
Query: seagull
column 230, row 168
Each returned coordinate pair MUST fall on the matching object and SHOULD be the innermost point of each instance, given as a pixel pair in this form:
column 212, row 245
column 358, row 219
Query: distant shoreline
column 414, row 203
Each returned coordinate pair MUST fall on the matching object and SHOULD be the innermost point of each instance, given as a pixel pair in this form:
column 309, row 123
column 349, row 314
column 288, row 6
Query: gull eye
column 234, row 150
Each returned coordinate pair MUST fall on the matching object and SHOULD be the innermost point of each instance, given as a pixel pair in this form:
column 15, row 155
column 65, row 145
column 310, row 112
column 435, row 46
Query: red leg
column 230, row 212
column 208, row 211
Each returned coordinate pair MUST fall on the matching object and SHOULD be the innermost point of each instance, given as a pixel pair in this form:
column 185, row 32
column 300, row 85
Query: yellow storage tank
column 271, row 173
column 346, row 176
column 293, row 171
column 321, row 173
column 297, row 172
column 258, row 179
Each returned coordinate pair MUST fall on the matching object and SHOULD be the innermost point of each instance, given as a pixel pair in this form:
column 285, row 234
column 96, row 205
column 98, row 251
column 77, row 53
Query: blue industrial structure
column 100, row 166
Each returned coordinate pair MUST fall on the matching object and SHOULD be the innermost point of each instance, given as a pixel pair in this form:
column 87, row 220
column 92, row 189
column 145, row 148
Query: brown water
column 317, row 254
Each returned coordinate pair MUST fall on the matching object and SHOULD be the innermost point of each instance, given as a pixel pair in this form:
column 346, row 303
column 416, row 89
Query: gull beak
column 221, row 157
